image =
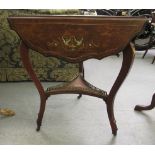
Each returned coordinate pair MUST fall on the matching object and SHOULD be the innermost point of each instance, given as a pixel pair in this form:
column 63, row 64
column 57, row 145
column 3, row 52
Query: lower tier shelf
column 77, row 86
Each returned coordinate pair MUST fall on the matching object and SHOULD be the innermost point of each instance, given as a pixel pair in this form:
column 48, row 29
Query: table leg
column 41, row 112
column 149, row 107
column 24, row 52
column 81, row 71
column 128, row 56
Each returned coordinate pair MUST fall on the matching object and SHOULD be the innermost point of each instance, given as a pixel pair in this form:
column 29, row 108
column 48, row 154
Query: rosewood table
column 77, row 39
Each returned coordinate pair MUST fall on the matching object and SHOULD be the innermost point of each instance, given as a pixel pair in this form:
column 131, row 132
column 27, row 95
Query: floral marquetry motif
column 72, row 43
column 72, row 40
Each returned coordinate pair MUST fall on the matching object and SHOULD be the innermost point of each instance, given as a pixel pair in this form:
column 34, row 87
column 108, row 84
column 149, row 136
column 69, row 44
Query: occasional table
column 77, row 39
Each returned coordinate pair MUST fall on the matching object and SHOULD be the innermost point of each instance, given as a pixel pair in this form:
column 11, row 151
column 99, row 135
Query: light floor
column 85, row 121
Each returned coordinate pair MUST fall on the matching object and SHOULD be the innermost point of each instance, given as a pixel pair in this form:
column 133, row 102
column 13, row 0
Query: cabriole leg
column 24, row 52
column 149, row 107
column 41, row 113
column 128, row 56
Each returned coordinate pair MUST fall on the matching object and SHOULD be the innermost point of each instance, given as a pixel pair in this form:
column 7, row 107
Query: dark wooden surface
column 76, row 39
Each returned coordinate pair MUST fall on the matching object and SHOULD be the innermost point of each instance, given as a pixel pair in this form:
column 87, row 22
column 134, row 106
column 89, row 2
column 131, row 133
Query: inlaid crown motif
column 72, row 41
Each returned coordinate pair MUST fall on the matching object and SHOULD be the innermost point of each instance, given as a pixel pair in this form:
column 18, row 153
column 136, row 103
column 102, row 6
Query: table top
column 77, row 38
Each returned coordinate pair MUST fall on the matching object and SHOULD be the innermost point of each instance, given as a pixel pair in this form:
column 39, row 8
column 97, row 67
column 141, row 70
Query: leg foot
column 117, row 55
column 41, row 113
column 153, row 60
column 38, row 129
column 114, row 132
column 138, row 108
column 112, row 120
column 38, row 125
column 149, row 107
column 80, row 95
column 144, row 54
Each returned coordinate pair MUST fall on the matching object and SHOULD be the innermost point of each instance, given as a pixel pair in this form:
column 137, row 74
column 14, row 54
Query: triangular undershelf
column 77, row 86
